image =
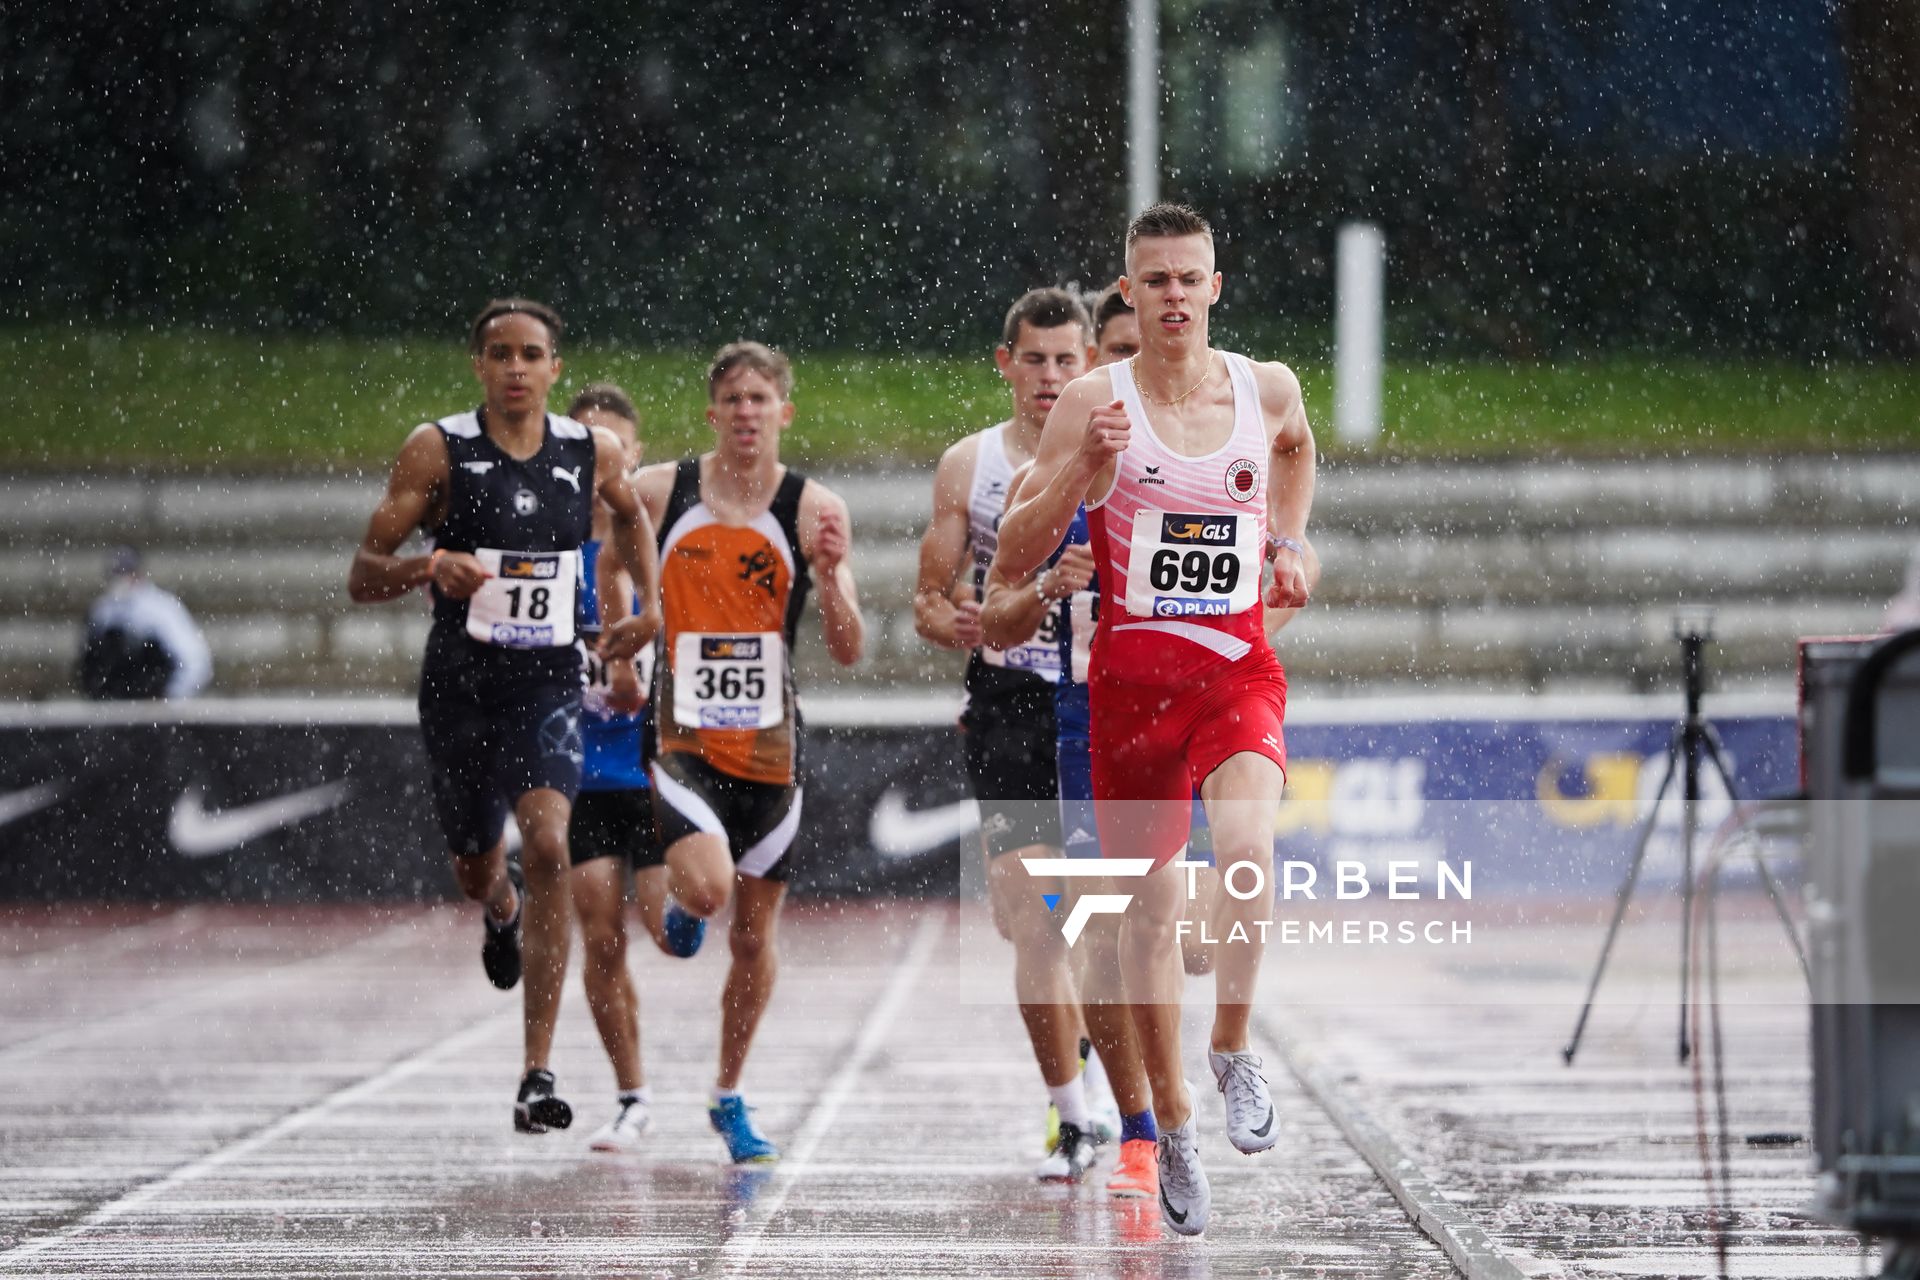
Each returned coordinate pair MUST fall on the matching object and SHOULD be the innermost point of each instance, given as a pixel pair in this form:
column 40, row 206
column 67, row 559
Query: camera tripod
column 1692, row 739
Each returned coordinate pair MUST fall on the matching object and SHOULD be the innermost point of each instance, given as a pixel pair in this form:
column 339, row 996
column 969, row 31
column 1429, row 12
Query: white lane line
column 1466, row 1244
column 740, row 1249
column 291, row 1123
column 92, row 1027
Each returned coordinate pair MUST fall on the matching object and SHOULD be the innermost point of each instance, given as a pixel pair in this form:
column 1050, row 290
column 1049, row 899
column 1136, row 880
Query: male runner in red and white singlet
column 1197, row 469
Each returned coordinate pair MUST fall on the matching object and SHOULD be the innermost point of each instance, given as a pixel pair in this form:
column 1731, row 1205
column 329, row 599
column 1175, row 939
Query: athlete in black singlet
column 506, row 493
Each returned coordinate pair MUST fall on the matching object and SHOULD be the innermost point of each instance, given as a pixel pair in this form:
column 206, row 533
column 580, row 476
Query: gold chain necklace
column 1133, row 367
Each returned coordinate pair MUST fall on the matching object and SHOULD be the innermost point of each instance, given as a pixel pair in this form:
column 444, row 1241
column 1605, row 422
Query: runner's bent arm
column 1276, row 619
column 826, row 539
column 1290, row 476
column 418, row 483
column 1011, row 613
column 943, row 552
column 1077, row 450
column 631, row 538
column 613, row 588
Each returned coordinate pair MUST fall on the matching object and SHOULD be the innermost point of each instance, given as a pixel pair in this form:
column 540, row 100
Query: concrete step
column 1625, row 565
column 1531, row 645
column 1364, row 497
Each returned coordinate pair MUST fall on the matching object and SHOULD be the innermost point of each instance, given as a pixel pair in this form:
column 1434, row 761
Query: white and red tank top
column 1180, row 543
column 1039, row 657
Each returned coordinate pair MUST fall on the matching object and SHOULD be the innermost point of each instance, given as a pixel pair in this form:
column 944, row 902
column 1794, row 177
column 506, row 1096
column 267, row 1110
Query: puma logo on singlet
column 571, row 477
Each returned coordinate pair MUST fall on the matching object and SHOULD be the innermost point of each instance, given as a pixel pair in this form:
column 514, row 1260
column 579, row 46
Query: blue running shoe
column 733, row 1120
column 684, row 931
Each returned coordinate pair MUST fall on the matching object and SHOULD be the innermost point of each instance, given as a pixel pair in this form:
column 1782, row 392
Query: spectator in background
column 1903, row 611
column 141, row 641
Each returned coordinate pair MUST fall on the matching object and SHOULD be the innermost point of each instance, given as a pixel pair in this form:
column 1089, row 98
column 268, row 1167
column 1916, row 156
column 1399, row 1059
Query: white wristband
column 1276, row 542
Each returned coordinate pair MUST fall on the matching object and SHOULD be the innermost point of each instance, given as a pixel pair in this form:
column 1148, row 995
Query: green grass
column 192, row 399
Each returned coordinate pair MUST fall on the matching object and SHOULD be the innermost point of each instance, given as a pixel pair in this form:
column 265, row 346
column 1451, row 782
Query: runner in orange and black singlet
column 726, row 722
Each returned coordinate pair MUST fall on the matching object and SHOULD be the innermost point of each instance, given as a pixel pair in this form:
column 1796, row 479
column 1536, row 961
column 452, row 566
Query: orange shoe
column 1137, row 1176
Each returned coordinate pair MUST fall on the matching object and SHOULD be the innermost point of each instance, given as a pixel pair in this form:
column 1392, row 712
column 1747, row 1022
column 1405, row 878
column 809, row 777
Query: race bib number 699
column 1182, row 565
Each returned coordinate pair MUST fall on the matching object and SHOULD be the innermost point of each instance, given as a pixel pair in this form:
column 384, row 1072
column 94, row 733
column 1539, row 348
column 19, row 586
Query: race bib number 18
column 528, row 602
column 728, row 681
column 1192, row 566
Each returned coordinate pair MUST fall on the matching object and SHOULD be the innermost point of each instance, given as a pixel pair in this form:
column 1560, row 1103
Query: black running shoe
column 1070, row 1156
column 500, row 953
column 536, row 1110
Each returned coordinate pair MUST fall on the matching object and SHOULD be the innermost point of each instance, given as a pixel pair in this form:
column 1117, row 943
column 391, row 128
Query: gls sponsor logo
column 739, row 648
column 529, row 567
column 1188, row 607
column 1088, row 905
column 1204, row 531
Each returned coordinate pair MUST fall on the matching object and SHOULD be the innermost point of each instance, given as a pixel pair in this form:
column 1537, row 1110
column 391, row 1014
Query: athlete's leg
column 650, row 901
column 750, row 978
column 1103, row 1004
column 599, row 899
column 1150, row 960
column 699, row 858
column 483, row 879
column 1202, row 920
column 543, row 814
column 700, row 873
column 1042, row 981
column 1243, row 798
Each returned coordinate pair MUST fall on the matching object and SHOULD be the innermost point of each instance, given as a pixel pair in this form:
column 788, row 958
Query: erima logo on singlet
column 1209, row 531
column 1152, row 476
column 529, row 567
column 744, row 648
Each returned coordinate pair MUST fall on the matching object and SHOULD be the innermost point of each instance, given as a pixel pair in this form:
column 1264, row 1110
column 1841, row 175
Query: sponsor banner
column 265, row 812
column 257, row 810
column 236, row 812
column 1538, row 806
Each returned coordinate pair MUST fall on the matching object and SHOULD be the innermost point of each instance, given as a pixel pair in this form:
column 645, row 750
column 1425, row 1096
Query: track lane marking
column 741, row 1248
column 1467, row 1245
column 65, row 1037
column 291, row 1123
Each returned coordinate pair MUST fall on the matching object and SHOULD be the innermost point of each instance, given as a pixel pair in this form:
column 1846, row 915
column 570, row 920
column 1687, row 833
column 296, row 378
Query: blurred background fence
column 1555, row 177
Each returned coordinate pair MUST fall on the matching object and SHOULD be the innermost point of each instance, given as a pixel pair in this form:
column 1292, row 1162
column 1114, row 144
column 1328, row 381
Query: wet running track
column 238, row 1092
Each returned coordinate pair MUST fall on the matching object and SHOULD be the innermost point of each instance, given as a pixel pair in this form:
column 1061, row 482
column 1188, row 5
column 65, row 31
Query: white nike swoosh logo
column 15, row 805
column 197, row 832
column 899, row 832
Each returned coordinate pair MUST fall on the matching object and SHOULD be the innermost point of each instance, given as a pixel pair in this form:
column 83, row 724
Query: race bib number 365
column 728, row 681
column 1181, row 565
column 528, row 601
